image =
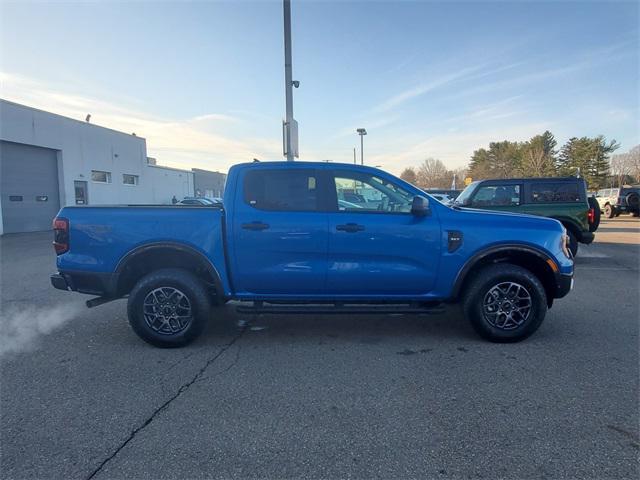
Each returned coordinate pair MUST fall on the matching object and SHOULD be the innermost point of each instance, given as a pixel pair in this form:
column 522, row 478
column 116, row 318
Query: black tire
column 488, row 280
column 593, row 203
column 573, row 243
column 609, row 211
column 178, row 292
column 633, row 201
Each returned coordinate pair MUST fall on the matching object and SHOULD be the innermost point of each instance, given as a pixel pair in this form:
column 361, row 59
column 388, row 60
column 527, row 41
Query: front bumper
column 587, row 237
column 564, row 284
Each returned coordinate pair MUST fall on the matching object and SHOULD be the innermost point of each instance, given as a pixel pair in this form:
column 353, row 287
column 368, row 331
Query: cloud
column 425, row 87
column 186, row 143
column 371, row 125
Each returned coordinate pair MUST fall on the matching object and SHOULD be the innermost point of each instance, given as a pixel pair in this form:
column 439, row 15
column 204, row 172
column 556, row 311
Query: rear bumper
column 59, row 282
column 102, row 284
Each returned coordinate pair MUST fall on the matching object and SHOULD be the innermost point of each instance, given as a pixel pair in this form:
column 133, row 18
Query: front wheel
column 168, row 308
column 609, row 212
column 573, row 243
column 505, row 303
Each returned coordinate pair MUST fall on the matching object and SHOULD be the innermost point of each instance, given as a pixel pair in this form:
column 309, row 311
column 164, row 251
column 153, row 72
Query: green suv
column 564, row 199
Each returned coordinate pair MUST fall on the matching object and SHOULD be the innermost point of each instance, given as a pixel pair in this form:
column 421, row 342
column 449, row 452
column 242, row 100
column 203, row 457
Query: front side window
column 554, row 192
column 100, row 176
column 129, row 179
column 496, row 195
column 292, row 190
column 363, row 193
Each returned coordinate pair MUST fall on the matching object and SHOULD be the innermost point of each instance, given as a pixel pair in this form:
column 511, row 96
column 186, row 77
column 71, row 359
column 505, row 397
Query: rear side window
column 566, row 192
column 496, row 195
column 292, row 190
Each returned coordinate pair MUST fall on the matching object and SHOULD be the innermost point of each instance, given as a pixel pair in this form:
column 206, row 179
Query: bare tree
column 634, row 153
column 433, row 174
column 621, row 168
column 625, row 167
column 409, row 175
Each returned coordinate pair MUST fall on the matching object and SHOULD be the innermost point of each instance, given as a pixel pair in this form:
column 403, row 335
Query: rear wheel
column 595, row 223
column 633, row 203
column 168, row 308
column 505, row 303
column 609, row 212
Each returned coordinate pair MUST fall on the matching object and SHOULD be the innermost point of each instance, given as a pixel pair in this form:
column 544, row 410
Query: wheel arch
column 154, row 256
column 530, row 258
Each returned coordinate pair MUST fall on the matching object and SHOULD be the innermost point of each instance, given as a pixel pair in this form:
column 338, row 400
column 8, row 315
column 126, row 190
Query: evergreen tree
column 589, row 157
column 538, row 156
column 502, row 160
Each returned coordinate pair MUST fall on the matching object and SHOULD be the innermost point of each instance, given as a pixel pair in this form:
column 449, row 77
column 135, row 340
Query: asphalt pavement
column 391, row 396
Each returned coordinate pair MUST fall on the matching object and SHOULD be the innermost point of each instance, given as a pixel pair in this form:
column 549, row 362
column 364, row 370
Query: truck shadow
column 359, row 329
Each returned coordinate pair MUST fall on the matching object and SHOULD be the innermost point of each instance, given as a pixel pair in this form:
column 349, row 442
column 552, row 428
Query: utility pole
column 362, row 132
column 290, row 129
column 354, row 156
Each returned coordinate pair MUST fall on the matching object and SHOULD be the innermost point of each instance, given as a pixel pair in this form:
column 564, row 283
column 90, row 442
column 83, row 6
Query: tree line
column 589, row 157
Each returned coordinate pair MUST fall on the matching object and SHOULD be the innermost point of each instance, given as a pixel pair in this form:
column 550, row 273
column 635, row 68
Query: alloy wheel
column 167, row 310
column 507, row 305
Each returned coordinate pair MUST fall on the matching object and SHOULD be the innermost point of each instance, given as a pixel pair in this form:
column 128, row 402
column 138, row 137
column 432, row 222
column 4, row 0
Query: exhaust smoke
column 20, row 326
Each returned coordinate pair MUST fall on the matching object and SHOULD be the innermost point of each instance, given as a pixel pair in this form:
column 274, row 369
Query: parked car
column 564, row 199
column 614, row 201
column 197, row 201
column 442, row 197
column 344, row 205
column 283, row 244
column 451, row 193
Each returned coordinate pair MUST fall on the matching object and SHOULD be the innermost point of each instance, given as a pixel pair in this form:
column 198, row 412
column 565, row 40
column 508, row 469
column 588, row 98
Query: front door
column 279, row 233
column 376, row 246
column 82, row 197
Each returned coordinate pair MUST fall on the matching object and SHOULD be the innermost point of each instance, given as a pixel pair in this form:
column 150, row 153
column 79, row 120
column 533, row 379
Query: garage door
column 28, row 187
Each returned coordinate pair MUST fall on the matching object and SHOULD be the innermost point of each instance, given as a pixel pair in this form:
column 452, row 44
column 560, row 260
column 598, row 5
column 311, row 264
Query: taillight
column 60, row 235
column 591, row 215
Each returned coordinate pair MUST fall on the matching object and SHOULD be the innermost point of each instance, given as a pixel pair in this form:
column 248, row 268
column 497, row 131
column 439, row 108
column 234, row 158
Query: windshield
column 466, row 194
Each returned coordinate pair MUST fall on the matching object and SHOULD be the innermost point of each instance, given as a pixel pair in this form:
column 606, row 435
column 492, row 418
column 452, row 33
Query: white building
column 48, row 161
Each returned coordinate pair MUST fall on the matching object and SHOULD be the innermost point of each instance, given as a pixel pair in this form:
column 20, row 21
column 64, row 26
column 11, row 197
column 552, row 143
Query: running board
column 341, row 309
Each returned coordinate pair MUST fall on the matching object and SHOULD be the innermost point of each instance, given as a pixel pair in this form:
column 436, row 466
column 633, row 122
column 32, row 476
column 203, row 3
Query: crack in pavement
column 183, row 388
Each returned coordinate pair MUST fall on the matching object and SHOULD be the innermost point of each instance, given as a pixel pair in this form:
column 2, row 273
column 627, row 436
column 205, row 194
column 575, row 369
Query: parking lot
column 321, row 396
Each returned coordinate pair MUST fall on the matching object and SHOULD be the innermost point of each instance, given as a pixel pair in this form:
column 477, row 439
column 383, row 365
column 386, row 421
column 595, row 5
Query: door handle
column 350, row 227
column 255, row 226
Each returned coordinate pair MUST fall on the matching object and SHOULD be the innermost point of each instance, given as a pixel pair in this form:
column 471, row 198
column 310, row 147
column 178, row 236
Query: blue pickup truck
column 285, row 240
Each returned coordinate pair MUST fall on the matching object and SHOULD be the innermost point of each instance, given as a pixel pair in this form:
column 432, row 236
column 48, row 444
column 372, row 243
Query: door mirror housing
column 420, row 206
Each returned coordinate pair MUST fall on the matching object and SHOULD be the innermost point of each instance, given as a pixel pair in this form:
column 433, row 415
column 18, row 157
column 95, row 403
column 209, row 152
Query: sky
column 203, row 82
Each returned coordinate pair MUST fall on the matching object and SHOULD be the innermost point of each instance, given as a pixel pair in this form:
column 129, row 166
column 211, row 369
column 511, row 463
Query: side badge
column 454, row 240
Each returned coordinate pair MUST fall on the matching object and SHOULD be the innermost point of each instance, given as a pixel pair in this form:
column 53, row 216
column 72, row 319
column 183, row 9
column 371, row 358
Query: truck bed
column 102, row 235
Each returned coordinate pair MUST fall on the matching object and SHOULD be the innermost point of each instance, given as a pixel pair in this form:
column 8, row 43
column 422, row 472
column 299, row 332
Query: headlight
column 564, row 244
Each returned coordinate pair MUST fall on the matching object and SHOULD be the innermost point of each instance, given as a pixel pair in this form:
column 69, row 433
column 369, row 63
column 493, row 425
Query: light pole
column 362, row 132
column 290, row 130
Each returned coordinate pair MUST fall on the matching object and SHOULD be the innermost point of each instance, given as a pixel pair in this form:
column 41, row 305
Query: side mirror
column 420, row 206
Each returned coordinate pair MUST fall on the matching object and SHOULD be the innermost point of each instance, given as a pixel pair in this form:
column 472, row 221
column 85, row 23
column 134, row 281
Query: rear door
column 279, row 238
column 377, row 248
column 563, row 200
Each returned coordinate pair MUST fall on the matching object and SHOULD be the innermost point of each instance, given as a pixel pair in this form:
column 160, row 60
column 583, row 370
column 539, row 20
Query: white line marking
column 587, row 254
